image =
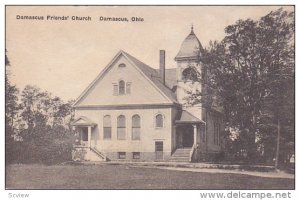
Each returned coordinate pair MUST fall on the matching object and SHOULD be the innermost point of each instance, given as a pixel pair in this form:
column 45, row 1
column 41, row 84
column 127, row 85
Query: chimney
column 162, row 67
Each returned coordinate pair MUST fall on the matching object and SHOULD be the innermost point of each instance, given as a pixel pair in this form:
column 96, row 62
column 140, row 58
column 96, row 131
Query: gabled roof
column 83, row 121
column 154, row 76
column 186, row 117
column 148, row 71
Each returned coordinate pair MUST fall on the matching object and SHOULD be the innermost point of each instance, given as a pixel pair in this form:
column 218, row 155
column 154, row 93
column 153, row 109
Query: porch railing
column 99, row 153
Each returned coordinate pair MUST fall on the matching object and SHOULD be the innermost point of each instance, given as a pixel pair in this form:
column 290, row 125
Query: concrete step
column 181, row 155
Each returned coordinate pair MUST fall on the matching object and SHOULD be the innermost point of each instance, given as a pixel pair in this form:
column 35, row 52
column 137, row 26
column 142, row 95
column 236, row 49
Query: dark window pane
column 122, row 65
column 84, row 134
column 159, row 120
column 159, row 146
column 121, row 87
column 189, row 74
column 136, row 155
column 121, row 155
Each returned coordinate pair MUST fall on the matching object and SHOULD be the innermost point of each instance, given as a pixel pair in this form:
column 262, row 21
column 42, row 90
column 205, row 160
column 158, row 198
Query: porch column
column 195, row 134
column 89, row 135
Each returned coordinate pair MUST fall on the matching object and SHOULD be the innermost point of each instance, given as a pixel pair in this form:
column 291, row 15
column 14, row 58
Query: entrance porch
column 83, row 149
column 189, row 131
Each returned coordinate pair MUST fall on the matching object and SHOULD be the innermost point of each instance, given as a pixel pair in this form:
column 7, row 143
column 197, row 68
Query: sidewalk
column 252, row 170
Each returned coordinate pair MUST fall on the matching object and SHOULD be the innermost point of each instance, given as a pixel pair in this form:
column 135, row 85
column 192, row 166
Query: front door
column 187, row 136
column 159, row 150
column 84, row 136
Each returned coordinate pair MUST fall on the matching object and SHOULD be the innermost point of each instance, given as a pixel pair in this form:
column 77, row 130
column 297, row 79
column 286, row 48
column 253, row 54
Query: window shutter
column 115, row 92
column 128, row 88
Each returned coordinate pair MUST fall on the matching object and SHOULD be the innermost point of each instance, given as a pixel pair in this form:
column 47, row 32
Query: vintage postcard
column 150, row 97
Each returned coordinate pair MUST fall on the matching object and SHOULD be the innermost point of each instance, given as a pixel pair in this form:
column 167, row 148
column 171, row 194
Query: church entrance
column 185, row 136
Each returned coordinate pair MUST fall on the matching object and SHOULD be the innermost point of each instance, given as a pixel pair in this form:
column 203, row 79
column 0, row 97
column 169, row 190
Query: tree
column 47, row 137
column 252, row 71
column 11, row 109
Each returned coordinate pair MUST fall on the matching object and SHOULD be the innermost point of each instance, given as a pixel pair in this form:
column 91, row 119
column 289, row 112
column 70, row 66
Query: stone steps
column 181, row 155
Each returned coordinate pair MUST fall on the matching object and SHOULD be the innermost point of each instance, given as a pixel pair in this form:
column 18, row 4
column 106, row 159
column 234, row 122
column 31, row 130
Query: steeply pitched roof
column 154, row 76
column 186, row 117
column 191, row 48
column 148, row 71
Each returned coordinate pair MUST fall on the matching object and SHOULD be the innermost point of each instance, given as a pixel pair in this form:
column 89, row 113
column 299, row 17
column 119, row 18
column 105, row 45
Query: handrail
column 192, row 152
column 99, row 153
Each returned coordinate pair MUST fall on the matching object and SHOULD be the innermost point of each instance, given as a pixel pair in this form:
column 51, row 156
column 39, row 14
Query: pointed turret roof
column 191, row 48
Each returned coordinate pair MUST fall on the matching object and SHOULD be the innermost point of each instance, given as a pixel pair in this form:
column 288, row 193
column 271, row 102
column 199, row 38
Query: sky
column 64, row 56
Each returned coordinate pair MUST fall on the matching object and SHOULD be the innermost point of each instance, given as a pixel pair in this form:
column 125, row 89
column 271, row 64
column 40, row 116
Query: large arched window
column 121, row 87
column 136, row 127
column 159, row 121
column 106, row 127
column 121, row 123
column 189, row 74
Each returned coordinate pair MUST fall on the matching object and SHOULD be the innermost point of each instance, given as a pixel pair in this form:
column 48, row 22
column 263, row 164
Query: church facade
column 134, row 112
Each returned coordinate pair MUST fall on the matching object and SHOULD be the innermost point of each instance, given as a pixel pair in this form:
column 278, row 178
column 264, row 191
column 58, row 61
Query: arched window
column 136, row 127
column 189, row 74
column 159, row 121
column 122, row 65
column 121, row 87
column 121, row 123
column 106, row 127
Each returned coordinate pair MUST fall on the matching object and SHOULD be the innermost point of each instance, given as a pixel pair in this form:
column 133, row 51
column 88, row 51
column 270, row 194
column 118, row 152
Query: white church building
column 132, row 111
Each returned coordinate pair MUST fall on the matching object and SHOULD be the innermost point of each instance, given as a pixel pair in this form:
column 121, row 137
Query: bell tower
column 188, row 70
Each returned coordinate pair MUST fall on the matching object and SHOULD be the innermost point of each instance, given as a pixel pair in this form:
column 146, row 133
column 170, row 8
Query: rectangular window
column 122, row 155
column 121, row 133
column 106, row 132
column 115, row 89
column 136, row 155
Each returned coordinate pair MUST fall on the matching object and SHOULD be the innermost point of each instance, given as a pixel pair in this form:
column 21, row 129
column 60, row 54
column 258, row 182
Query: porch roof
column 83, row 121
column 186, row 117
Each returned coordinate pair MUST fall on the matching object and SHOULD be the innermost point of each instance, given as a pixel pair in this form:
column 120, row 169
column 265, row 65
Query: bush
column 52, row 146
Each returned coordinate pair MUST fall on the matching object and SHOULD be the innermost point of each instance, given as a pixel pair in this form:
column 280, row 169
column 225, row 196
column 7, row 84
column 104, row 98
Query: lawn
column 109, row 176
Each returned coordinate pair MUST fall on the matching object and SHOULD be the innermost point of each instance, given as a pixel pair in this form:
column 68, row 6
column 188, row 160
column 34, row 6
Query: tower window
column 189, row 74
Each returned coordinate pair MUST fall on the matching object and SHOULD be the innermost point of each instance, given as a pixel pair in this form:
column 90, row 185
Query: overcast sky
column 63, row 57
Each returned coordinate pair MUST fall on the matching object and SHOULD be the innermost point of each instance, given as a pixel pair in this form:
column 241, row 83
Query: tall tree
column 11, row 110
column 252, row 70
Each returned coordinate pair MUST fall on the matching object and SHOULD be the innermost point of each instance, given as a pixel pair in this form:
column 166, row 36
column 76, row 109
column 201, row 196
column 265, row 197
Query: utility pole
column 278, row 143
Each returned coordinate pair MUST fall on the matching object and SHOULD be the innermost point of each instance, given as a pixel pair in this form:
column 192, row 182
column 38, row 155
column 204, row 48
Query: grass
column 127, row 177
